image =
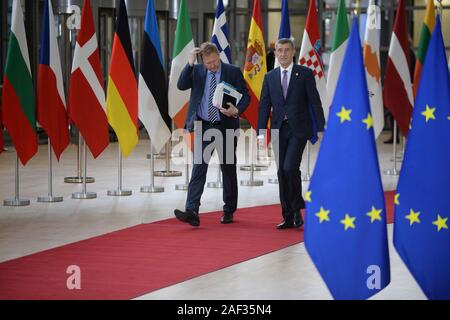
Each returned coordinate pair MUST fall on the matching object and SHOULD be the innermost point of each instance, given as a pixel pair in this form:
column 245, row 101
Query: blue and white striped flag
column 220, row 33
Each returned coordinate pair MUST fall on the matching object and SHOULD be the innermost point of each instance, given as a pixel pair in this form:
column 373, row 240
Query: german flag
column 122, row 97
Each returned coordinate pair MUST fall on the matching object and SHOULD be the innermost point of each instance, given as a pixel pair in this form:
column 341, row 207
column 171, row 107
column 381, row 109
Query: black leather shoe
column 226, row 218
column 298, row 221
column 286, row 224
column 189, row 216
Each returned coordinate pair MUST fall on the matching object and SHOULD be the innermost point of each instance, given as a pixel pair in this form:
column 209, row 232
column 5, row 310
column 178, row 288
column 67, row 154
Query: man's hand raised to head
column 193, row 55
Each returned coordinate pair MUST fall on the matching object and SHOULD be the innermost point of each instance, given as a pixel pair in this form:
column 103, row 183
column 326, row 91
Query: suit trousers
column 288, row 158
column 200, row 167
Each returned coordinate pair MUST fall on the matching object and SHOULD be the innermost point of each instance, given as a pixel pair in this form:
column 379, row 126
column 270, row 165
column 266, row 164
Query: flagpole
column 16, row 202
column 119, row 192
column 168, row 172
column 152, row 188
column 79, row 177
column 184, row 187
column 393, row 171
column 252, row 182
column 84, row 194
column 307, row 176
column 216, row 184
column 50, row 197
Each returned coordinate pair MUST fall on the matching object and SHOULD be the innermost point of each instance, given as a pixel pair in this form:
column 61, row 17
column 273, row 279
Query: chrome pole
column 16, row 202
column 49, row 197
column 119, row 192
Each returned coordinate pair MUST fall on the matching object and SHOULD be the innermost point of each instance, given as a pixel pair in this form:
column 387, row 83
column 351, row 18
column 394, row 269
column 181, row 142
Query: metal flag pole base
column 79, row 178
column 84, row 194
column 16, row 202
column 250, row 183
column 185, row 186
column 306, row 177
column 393, row 171
column 119, row 192
column 252, row 168
column 216, row 184
column 273, row 181
column 167, row 172
column 50, row 197
column 256, row 167
column 152, row 188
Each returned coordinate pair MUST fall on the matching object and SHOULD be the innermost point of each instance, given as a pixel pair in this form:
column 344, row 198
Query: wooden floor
column 284, row 274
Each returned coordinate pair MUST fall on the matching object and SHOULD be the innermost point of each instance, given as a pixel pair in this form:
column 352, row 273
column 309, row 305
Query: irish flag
column 340, row 39
column 310, row 53
column 255, row 64
column 398, row 92
column 19, row 112
column 184, row 43
column 425, row 35
column 373, row 71
column 122, row 97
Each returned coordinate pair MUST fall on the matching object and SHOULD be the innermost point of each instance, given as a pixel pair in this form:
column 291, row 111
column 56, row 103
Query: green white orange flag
column 122, row 97
column 425, row 35
column 255, row 64
column 372, row 66
column 183, row 44
column 19, row 109
column 340, row 39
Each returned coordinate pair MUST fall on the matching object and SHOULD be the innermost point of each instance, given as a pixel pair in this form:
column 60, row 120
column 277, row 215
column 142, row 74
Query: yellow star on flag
column 374, row 214
column 323, row 215
column 344, row 114
column 348, row 222
column 397, row 199
column 308, row 196
column 413, row 217
column 429, row 113
column 440, row 223
column 368, row 121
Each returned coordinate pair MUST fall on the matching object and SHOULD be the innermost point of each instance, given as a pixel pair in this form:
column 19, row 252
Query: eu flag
column 421, row 229
column 345, row 230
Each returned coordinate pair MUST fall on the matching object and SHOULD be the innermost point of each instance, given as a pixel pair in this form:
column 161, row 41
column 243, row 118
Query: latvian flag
column 51, row 101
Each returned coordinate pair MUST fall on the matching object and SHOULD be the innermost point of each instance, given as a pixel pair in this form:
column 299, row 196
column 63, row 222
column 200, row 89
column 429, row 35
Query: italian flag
column 19, row 111
column 340, row 39
column 184, row 43
column 425, row 35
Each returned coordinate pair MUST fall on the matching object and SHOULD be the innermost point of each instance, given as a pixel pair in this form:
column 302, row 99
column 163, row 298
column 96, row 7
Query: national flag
column 19, row 110
column 310, row 51
column 1, row 130
column 122, row 96
column 153, row 95
column 340, row 39
column 255, row 64
column 345, row 230
column 87, row 106
column 51, row 100
column 285, row 26
column 183, row 44
column 398, row 92
column 422, row 211
column 425, row 35
column 220, row 33
column 372, row 66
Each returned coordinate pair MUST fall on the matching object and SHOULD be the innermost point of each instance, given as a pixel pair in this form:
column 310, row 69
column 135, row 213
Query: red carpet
column 135, row 261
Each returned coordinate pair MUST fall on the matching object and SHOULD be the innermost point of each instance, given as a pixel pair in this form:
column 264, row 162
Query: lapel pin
column 296, row 74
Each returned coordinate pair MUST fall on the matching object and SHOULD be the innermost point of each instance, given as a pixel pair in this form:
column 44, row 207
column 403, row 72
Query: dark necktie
column 213, row 112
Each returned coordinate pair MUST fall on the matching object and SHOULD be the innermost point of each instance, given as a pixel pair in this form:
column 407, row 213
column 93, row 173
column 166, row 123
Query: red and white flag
column 51, row 100
column 398, row 90
column 87, row 107
column 310, row 53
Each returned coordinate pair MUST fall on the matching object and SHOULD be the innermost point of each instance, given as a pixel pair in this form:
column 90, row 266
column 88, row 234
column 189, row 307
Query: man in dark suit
column 202, row 79
column 290, row 92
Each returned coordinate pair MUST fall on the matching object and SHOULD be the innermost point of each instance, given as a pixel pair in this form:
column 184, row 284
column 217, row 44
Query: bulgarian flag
column 255, row 64
column 340, row 39
column 122, row 97
column 310, row 53
column 19, row 111
column 183, row 44
column 425, row 35
column 398, row 92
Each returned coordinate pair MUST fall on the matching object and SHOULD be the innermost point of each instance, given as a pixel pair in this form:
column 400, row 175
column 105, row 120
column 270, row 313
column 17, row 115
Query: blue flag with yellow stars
column 345, row 230
column 422, row 202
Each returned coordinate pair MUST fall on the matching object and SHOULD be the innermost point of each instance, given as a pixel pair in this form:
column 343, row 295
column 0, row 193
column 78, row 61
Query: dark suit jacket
column 302, row 105
column 194, row 77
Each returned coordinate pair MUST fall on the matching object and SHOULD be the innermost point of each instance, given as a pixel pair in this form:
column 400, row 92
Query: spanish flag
column 122, row 97
column 255, row 64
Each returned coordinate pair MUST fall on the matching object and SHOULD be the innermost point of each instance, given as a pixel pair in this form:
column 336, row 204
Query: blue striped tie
column 213, row 112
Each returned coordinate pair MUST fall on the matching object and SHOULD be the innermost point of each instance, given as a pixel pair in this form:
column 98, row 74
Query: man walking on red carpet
column 290, row 92
column 213, row 121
